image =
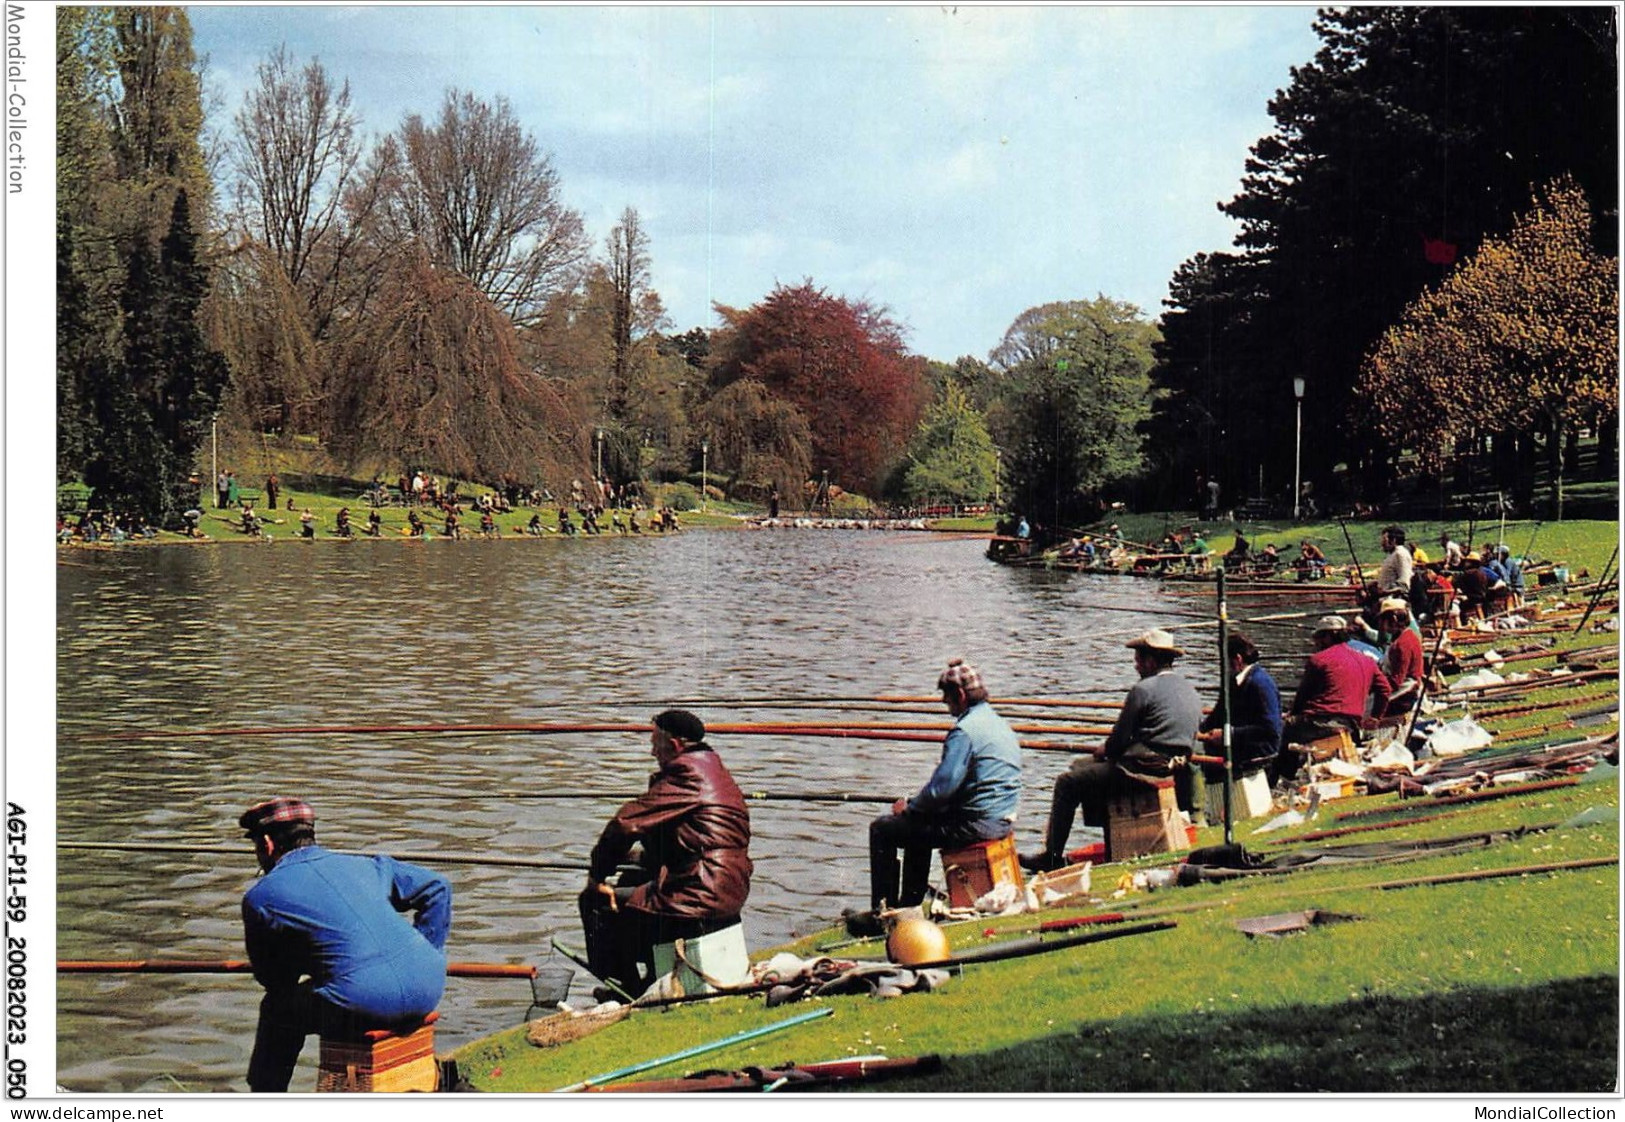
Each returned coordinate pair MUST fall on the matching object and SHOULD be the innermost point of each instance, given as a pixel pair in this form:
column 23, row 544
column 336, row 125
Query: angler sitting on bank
column 334, row 921
column 694, row 831
column 1339, row 687
column 1152, row 737
column 971, row 796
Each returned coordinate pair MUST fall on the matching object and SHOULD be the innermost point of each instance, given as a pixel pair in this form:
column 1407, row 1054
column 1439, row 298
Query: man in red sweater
column 1402, row 661
column 1339, row 686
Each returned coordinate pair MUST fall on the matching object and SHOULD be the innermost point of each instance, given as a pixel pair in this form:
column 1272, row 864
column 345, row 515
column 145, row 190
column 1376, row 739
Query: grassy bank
column 1506, row 984
column 1483, row 986
column 1577, row 543
column 224, row 525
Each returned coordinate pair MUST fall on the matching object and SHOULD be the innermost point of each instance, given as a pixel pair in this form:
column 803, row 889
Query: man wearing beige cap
column 1339, row 686
column 1156, row 728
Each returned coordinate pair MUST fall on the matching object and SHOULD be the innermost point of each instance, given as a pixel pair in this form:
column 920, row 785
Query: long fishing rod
column 624, row 796
column 1531, row 543
column 1422, row 687
column 1359, row 569
column 242, row 966
column 414, row 858
column 1602, row 586
column 700, row 1049
column 1274, row 617
column 779, row 730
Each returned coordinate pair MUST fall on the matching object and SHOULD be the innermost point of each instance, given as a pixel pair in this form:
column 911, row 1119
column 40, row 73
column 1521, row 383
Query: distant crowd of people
column 595, row 510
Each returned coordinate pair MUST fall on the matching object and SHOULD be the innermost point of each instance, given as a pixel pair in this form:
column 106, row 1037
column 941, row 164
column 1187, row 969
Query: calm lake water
column 372, row 633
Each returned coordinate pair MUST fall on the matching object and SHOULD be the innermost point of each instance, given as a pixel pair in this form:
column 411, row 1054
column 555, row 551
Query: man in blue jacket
column 1255, row 699
column 970, row 797
column 335, row 920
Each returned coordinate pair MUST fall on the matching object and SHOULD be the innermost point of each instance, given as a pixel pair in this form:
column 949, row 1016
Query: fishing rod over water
column 780, row 729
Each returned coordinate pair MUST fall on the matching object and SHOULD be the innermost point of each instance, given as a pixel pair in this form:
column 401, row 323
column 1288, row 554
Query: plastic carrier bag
column 1458, row 737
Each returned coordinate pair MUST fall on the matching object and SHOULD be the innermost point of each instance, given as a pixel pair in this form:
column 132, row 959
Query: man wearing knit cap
column 1154, row 733
column 335, row 920
column 970, row 797
column 1339, row 687
column 694, row 833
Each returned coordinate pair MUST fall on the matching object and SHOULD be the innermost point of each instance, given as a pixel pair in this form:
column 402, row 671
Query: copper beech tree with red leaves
column 1523, row 335
column 841, row 363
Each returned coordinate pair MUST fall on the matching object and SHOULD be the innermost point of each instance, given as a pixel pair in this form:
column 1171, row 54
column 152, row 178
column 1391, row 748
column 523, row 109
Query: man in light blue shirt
column 970, row 797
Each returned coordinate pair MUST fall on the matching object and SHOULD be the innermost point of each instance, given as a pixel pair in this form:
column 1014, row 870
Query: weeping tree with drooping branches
column 434, row 379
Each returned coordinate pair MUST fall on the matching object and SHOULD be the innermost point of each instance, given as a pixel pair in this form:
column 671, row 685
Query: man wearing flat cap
column 1339, row 687
column 1153, row 734
column 338, row 922
column 694, row 833
column 971, row 796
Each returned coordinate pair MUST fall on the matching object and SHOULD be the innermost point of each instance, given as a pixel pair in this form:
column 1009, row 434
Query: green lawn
column 1492, row 985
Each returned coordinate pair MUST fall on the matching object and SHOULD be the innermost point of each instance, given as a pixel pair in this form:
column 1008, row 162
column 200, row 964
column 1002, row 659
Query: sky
column 956, row 165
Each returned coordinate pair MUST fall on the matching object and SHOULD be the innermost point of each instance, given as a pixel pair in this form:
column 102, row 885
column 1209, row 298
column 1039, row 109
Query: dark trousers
column 1086, row 785
column 916, row 835
column 287, row 1016
column 1299, row 732
column 621, row 942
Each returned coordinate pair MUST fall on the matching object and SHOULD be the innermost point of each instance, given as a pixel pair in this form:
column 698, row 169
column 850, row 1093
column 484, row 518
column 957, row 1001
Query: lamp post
column 1297, row 453
column 705, row 468
column 600, row 442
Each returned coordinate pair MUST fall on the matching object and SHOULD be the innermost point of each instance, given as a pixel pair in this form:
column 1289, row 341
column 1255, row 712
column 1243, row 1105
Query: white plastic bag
column 1455, row 738
column 1395, row 757
column 1002, row 900
column 1475, row 679
column 1280, row 821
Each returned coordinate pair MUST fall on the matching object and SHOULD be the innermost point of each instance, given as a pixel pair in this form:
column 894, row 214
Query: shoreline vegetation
column 1580, row 544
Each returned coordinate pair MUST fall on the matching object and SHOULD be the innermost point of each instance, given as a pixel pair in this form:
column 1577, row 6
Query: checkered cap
column 260, row 817
column 961, row 674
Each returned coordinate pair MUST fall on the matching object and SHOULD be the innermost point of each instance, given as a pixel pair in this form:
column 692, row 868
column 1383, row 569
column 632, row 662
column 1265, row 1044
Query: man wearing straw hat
column 971, row 796
column 334, row 920
column 1152, row 737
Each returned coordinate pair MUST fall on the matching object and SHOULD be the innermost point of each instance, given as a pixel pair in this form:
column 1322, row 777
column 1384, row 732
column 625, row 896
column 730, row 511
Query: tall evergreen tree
column 1414, row 133
column 136, row 381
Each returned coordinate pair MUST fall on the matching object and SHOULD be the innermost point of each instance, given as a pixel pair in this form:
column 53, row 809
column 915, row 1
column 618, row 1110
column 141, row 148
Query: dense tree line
column 428, row 297
column 137, row 382
column 1414, row 135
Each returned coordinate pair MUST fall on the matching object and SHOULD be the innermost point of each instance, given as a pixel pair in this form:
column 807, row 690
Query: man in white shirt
column 1394, row 577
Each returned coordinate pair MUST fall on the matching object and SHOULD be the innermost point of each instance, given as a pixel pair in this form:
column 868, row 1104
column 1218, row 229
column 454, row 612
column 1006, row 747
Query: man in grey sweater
column 1153, row 733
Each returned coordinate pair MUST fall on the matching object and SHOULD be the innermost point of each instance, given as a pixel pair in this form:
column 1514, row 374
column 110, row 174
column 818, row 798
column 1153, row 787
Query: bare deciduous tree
column 635, row 308
column 476, row 191
column 296, row 150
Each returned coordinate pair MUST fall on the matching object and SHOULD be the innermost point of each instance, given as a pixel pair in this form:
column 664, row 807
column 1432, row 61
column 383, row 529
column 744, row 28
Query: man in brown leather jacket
column 695, row 836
